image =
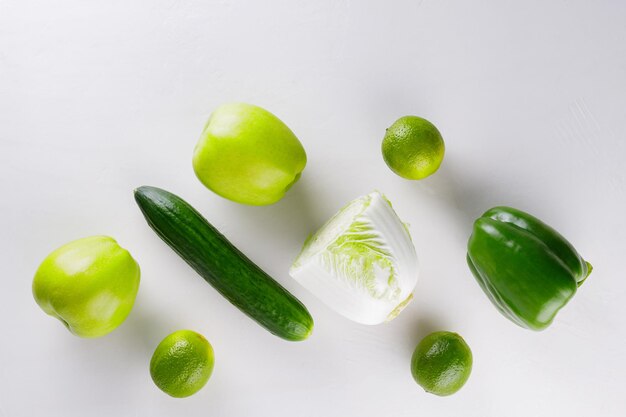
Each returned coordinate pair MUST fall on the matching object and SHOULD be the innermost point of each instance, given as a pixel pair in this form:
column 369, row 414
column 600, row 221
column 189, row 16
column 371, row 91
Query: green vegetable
column 527, row 269
column 248, row 155
column 442, row 363
column 362, row 262
column 89, row 284
column 223, row 266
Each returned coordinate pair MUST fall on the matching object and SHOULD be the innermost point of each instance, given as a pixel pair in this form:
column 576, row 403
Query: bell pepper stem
column 589, row 269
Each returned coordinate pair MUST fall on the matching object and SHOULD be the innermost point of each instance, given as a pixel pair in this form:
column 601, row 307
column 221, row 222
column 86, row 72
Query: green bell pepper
column 526, row 268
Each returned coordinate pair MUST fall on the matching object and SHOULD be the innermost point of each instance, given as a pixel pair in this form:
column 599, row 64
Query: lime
column 413, row 148
column 441, row 363
column 182, row 363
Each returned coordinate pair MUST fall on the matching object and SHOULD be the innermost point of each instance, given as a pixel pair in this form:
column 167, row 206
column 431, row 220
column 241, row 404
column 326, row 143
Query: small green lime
column 441, row 363
column 182, row 363
column 413, row 148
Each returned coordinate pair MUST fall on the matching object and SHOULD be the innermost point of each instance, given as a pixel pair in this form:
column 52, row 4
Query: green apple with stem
column 89, row 284
column 248, row 155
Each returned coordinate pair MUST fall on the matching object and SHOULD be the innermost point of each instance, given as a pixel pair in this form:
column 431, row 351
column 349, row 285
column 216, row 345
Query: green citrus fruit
column 182, row 363
column 413, row 148
column 441, row 363
column 89, row 284
column 248, row 155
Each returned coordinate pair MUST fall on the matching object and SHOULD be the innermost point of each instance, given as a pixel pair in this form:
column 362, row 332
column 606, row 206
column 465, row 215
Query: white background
column 99, row 97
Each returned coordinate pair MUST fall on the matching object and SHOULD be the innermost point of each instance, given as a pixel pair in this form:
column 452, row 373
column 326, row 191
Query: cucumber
column 223, row 266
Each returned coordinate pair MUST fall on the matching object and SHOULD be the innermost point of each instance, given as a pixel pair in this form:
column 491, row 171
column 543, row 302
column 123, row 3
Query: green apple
column 89, row 284
column 248, row 155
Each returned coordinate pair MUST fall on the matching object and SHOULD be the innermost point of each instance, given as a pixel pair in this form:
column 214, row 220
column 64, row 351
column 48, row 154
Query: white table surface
column 98, row 97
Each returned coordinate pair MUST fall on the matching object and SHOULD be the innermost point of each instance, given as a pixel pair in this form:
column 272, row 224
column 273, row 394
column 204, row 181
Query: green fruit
column 441, row 363
column 248, row 155
column 89, row 284
column 413, row 148
column 182, row 363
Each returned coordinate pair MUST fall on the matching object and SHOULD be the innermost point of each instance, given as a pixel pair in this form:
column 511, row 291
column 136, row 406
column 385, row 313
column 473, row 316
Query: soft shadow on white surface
column 467, row 192
column 420, row 327
column 291, row 218
column 145, row 327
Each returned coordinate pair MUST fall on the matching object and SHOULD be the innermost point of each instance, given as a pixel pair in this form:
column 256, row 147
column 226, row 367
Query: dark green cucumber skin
column 223, row 266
